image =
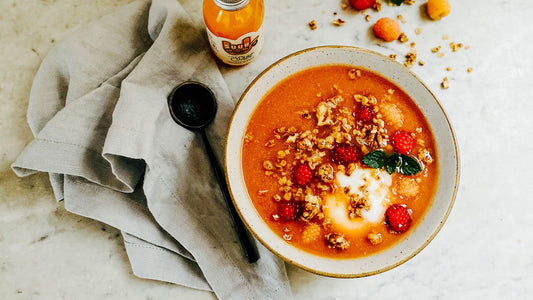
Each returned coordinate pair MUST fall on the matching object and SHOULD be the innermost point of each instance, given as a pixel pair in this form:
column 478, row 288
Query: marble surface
column 482, row 252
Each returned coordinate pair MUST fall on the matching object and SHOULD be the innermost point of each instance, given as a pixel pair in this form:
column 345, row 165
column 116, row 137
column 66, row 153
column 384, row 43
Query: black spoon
column 193, row 106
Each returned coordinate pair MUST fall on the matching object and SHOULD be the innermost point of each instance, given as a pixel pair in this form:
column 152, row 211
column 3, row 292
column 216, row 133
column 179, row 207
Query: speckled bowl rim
column 252, row 220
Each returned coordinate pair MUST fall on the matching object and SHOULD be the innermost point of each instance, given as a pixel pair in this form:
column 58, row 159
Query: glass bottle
column 234, row 29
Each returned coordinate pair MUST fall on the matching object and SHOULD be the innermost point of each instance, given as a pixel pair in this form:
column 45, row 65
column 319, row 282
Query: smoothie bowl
column 340, row 161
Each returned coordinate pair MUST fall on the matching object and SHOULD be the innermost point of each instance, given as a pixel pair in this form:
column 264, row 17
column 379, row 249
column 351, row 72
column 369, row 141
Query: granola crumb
column 338, row 22
column 410, row 58
column 421, row 63
column 445, row 84
column 377, row 6
column 354, row 73
column 425, row 156
column 455, row 46
column 312, row 25
column 375, row 238
column 448, row 69
column 401, row 19
column 435, row 49
column 469, row 70
column 344, row 6
column 357, row 205
column 445, row 37
column 337, row 241
column 268, row 165
column 403, row 38
column 368, row 18
column 248, row 137
column 440, row 54
column 418, row 30
column 393, row 56
column 409, row 2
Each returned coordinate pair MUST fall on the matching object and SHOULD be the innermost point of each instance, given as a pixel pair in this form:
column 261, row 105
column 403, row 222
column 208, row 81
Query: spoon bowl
column 192, row 105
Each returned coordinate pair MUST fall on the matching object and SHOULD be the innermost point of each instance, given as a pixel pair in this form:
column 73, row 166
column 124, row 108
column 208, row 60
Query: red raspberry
column 345, row 154
column 362, row 4
column 288, row 211
column 403, row 142
column 364, row 114
column 302, row 174
column 398, row 217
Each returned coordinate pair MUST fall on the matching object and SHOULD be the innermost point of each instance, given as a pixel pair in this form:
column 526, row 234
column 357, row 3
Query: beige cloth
column 104, row 134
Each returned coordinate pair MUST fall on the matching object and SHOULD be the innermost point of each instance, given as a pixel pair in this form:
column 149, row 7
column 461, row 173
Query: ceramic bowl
column 448, row 161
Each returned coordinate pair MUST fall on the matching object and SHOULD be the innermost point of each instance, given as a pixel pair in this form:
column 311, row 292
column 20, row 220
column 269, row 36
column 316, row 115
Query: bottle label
column 237, row 52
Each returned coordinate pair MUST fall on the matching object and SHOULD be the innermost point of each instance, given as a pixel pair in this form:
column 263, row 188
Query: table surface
column 484, row 249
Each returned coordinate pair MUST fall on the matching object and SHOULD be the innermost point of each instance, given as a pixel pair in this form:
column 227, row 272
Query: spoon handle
column 246, row 242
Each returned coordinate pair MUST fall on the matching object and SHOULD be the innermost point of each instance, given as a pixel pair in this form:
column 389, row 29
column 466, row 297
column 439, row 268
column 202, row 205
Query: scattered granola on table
column 338, row 22
column 445, row 84
column 312, row 25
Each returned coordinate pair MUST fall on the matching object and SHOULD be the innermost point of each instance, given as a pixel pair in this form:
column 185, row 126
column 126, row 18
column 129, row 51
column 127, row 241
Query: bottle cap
column 231, row 5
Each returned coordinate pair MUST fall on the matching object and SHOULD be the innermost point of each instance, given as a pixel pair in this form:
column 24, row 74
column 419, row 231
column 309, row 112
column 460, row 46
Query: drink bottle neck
column 231, row 5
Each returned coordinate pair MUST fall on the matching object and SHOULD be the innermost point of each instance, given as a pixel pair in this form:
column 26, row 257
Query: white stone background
column 482, row 252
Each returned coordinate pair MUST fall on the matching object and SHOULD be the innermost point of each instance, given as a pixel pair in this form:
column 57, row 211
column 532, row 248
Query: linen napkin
column 104, row 134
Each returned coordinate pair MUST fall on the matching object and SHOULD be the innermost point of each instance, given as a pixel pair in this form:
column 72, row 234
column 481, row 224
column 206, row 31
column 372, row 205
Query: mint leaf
column 404, row 164
column 397, row 2
column 374, row 159
column 409, row 165
column 392, row 162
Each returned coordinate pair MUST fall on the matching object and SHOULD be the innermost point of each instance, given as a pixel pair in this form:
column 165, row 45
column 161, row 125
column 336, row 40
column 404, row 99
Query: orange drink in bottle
column 234, row 29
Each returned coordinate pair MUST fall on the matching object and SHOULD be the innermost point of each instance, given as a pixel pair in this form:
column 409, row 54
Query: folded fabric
column 104, row 134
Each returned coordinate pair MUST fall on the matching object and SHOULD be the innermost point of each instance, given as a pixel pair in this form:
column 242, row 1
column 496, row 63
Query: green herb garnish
column 409, row 165
column 392, row 163
column 397, row 2
column 401, row 163
column 374, row 159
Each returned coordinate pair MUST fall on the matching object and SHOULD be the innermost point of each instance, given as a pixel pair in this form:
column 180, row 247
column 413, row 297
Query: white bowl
column 448, row 161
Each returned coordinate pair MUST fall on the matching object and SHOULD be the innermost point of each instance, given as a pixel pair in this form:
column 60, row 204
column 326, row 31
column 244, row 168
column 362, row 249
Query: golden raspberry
column 407, row 187
column 311, row 233
column 391, row 114
column 438, row 8
column 387, row 29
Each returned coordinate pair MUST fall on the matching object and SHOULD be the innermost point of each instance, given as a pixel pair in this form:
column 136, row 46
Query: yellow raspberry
column 407, row 187
column 391, row 114
column 438, row 8
column 311, row 233
column 387, row 29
